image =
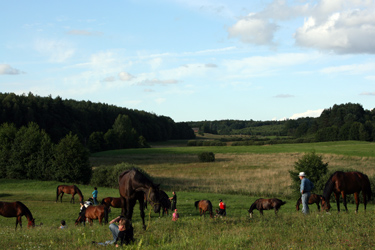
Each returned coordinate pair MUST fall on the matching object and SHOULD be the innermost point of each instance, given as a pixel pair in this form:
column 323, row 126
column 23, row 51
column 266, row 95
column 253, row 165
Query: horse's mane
column 328, row 188
column 78, row 192
column 253, row 206
column 138, row 176
column 26, row 210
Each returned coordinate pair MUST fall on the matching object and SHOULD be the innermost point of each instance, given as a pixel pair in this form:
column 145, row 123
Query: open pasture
column 239, row 178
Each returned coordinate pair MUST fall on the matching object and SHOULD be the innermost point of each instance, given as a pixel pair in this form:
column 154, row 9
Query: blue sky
column 193, row 60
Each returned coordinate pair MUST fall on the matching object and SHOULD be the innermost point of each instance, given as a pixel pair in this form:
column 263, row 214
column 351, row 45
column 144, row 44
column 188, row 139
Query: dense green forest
column 59, row 117
column 341, row 122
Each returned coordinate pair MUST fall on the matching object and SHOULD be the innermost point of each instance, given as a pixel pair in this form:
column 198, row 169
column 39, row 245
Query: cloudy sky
column 193, row 60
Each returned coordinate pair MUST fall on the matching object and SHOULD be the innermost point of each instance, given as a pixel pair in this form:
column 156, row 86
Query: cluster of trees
column 29, row 153
column 341, row 122
column 58, row 117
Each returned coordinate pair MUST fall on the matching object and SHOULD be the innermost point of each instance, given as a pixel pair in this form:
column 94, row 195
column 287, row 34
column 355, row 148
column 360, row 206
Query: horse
column 204, row 206
column 314, row 198
column 99, row 212
column 112, row 202
column 164, row 202
column 73, row 189
column 346, row 183
column 133, row 185
column 17, row 209
column 266, row 204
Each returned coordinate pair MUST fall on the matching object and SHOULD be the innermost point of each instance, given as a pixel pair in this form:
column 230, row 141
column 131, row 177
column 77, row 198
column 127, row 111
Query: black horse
column 266, row 204
column 164, row 202
column 133, row 186
column 346, row 183
column 314, row 198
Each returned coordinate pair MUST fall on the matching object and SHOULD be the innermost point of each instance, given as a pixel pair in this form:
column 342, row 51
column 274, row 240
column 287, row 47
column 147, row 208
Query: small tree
column 206, row 157
column 312, row 164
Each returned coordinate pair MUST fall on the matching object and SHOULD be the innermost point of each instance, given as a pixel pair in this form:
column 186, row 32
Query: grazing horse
column 133, row 185
column 73, row 189
column 346, row 183
column 164, row 202
column 204, row 206
column 112, row 202
column 266, row 204
column 99, row 212
column 17, row 209
column 314, row 198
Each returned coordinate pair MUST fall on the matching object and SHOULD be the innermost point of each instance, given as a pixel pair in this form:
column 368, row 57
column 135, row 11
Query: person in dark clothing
column 174, row 201
column 126, row 233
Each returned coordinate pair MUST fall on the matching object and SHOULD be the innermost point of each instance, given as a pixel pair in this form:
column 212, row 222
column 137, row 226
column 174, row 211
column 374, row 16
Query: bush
column 206, row 157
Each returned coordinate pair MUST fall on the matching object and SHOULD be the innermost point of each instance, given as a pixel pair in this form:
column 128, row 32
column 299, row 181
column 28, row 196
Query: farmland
column 239, row 176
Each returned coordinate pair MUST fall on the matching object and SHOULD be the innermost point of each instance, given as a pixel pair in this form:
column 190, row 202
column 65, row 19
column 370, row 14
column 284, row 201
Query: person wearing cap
column 305, row 189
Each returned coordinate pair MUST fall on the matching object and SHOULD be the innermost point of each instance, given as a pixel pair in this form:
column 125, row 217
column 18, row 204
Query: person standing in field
column 305, row 189
column 222, row 208
column 95, row 196
column 174, row 201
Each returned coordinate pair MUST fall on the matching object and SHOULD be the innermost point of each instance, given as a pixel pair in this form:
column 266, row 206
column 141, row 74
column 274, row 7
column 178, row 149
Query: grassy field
column 239, row 176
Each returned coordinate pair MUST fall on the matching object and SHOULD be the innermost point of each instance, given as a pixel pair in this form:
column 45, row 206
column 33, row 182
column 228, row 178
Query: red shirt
column 222, row 205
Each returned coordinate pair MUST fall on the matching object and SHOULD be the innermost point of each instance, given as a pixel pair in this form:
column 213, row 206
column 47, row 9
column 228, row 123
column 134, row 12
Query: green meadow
column 239, row 176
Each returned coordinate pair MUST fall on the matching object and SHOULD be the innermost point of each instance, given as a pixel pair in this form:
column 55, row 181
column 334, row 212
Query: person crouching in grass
column 126, row 233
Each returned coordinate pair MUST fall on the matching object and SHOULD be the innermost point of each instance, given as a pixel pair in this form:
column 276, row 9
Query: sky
column 193, row 60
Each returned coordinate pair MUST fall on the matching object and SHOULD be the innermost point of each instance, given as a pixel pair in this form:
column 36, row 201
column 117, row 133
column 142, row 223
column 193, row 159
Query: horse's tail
column 105, row 214
column 210, row 208
column 102, row 202
column 367, row 187
column 196, row 204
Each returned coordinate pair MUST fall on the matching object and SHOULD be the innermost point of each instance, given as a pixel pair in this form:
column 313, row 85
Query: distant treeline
column 58, row 117
column 341, row 122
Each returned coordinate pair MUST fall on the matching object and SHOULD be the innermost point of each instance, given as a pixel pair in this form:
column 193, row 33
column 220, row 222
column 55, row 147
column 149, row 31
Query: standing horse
column 112, row 202
column 204, row 206
column 133, row 185
column 17, row 209
column 73, row 189
column 314, row 198
column 346, row 183
column 266, row 204
column 164, row 202
column 92, row 213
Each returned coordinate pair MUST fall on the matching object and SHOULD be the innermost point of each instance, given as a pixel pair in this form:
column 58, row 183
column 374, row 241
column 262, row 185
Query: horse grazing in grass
column 17, row 209
column 133, row 186
column 314, row 198
column 204, row 206
column 73, row 190
column 99, row 212
column 112, row 202
column 346, row 183
column 266, row 204
column 164, row 202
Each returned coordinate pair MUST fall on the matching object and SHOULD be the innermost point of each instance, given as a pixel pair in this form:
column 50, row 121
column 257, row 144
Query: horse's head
column 250, row 213
column 31, row 223
column 154, row 198
column 325, row 204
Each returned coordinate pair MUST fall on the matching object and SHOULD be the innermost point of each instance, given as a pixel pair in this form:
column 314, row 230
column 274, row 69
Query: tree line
column 341, row 122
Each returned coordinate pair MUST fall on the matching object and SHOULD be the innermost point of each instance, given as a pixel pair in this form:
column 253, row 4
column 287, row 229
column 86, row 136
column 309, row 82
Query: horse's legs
column 130, row 207
column 344, row 200
column 317, row 203
column 261, row 211
column 72, row 199
column 62, row 194
column 364, row 199
column 19, row 221
column 356, row 197
column 142, row 207
column 337, row 196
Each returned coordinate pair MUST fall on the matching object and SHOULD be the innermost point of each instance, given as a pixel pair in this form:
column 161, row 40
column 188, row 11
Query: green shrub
column 206, row 157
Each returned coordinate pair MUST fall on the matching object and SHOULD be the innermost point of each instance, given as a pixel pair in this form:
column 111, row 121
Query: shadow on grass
column 4, row 195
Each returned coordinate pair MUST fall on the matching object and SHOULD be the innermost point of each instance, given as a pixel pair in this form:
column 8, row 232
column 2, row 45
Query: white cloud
column 160, row 100
column 153, row 82
column 252, row 29
column 57, row 51
column 368, row 93
column 351, row 69
column 124, row 76
column 83, row 33
column 308, row 113
column 283, row 96
column 6, row 69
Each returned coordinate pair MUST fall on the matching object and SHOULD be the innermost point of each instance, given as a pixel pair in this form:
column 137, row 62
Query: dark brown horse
column 346, row 183
column 133, row 185
column 266, row 204
column 99, row 212
column 73, row 190
column 314, row 198
column 17, row 209
column 164, row 202
column 204, row 206
column 112, row 202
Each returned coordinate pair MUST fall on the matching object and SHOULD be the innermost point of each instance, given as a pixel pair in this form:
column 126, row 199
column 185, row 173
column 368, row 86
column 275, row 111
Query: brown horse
column 314, row 198
column 164, row 202
column 92, row 213
column 73, row 190
column 17, row 209
column 204, row 206
column 346, row 183
column 266, row 204
column 112, row 202
column 133, row 185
